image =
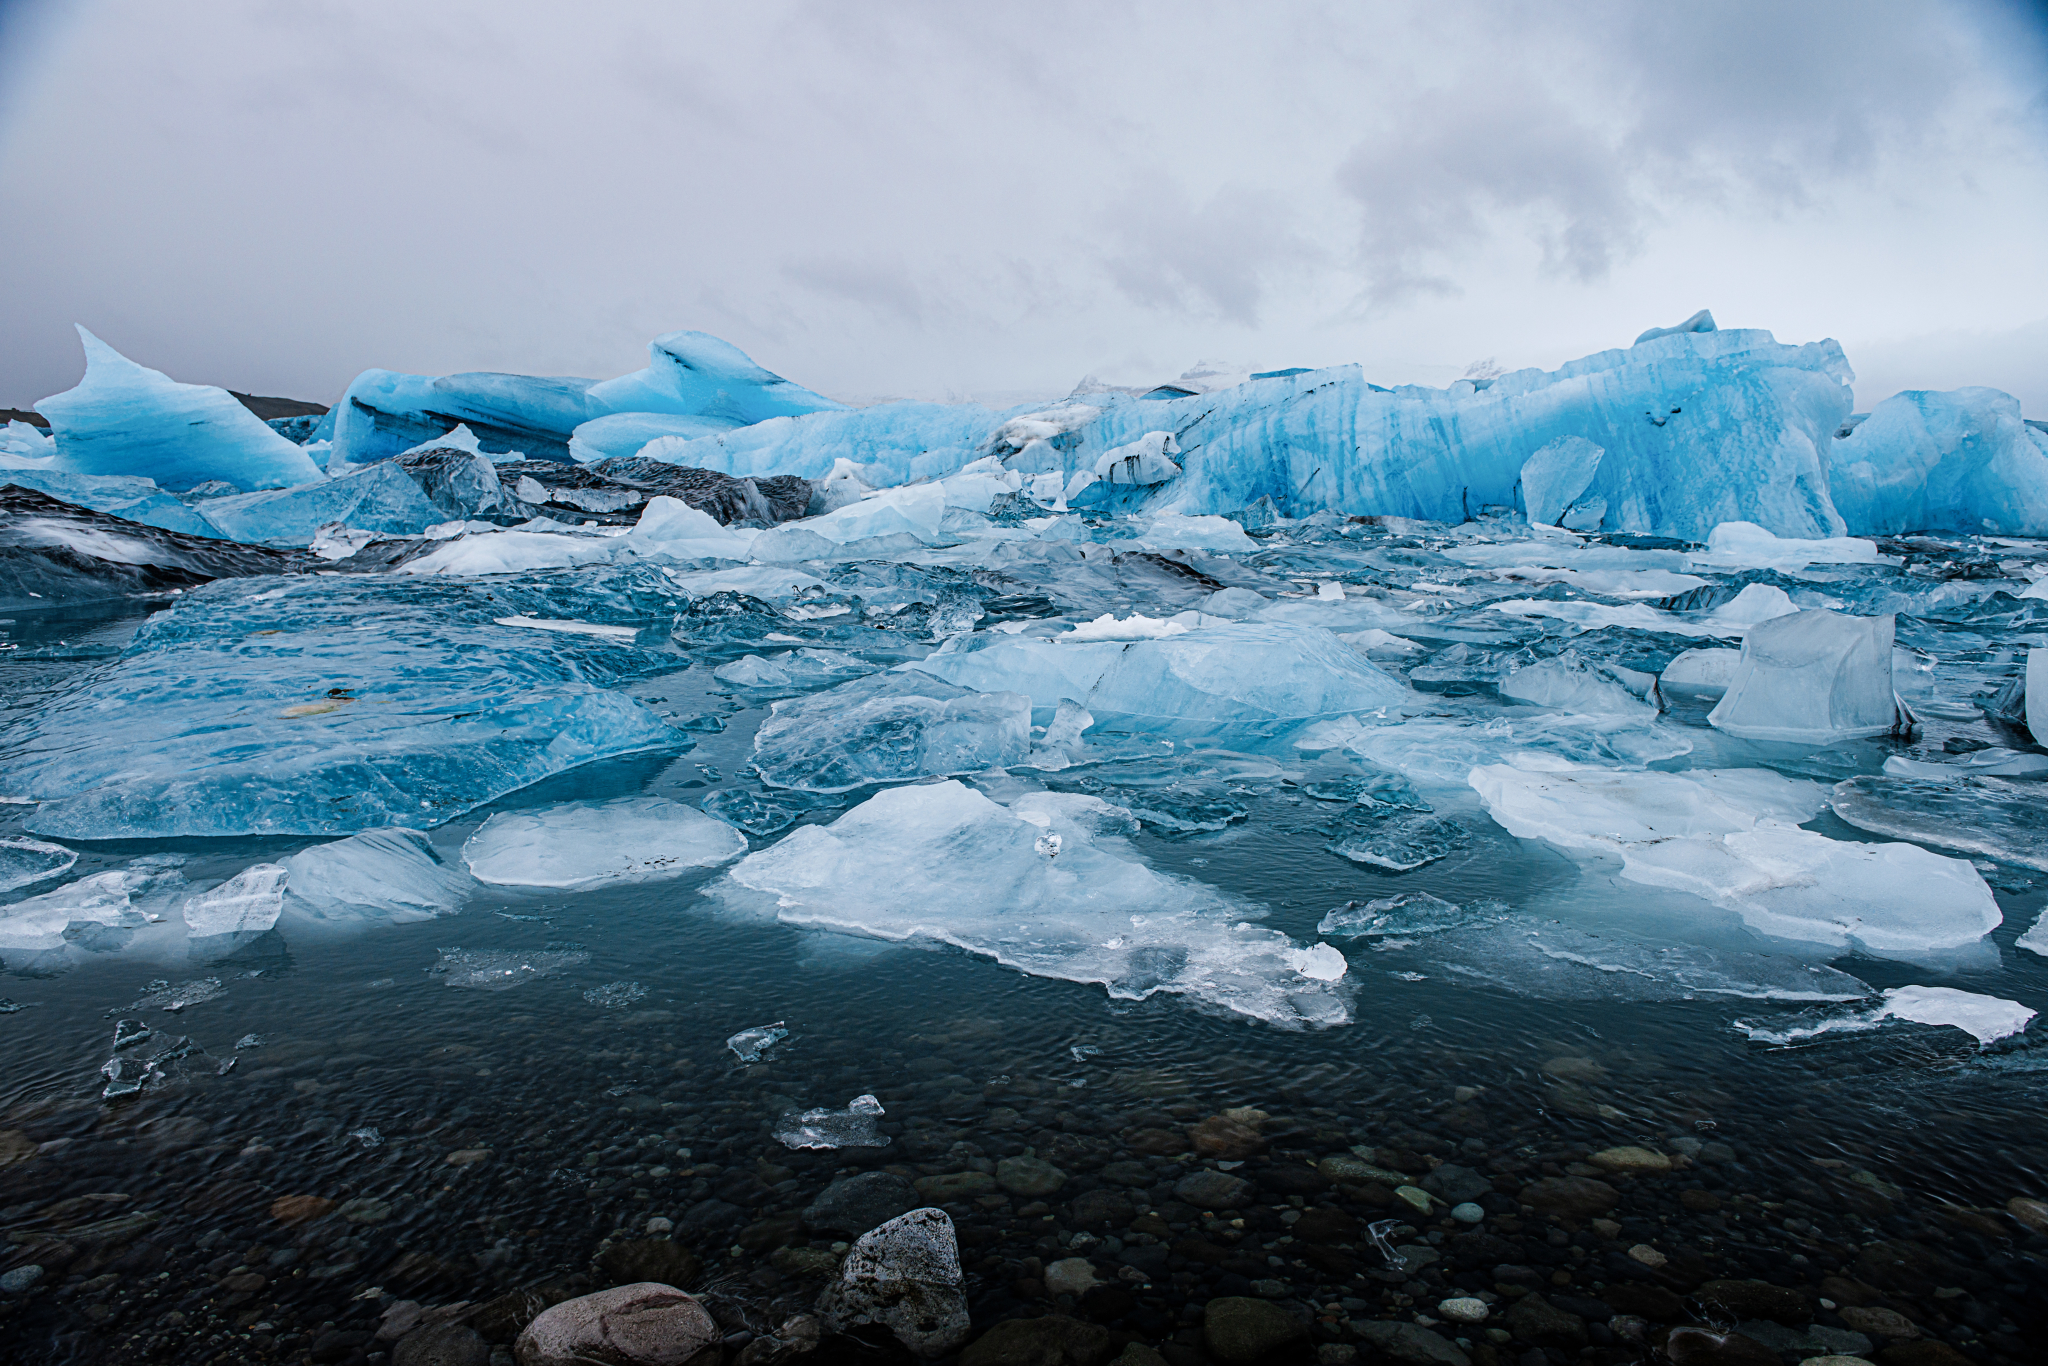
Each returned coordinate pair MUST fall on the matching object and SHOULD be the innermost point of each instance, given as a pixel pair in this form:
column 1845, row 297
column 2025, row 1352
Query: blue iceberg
column 690, row 375
column 125, row 419
column 331, row 705
column 1963, row 461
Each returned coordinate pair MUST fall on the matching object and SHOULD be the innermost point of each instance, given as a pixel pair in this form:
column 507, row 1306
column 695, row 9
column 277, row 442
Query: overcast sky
column 973, row 199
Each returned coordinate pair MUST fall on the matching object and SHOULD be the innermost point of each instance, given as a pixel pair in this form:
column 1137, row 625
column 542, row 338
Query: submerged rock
column 903, row 1276
column 645, row 1324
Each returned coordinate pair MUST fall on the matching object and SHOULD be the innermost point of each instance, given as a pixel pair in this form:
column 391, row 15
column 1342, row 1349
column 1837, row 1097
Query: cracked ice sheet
column 330, row 705
column 1045, row 885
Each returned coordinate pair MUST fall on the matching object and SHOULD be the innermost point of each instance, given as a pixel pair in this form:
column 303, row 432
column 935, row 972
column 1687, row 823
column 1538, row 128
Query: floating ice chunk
column 621, row 435
column 792, row 670
column 337, row 541
column 1408, row 913
column 1249, row 677
column 1443, row 752
column 1555, row 477
column 844, row 483
column 1146, row 461
column 2035, row 940
column 131, row 499
column 1988, row 1018
column 93, row 913
column 125, row 419
column 1610, row 583
column 853, row 1127
column 889, row 728
column 1588, row 616
column 916, row 510
column 1568, row 682
column 1702, row 321
column 940, row 863
column 1707, row 671
column 1373, row 641
column 749, row 1044
column 1974, row 814
column 1812, row 677
column 1745, row 545
column 1963, row 461
column 671, row 527
column 26, row 446
column 495, row 970
column 380, row 875
column 1137, row 626
column 1322, row 962
column 697, row 374
column 615, row 995
column 24, row 861
column 1731, row 837
column 582, row 845
column 757, row 813
column 2037, row 694
column 1754, row 605
column 1175, row 531
column 381, row 498
column 759, row 581
column 1397, row 838
column 1995, row 762
column 512, row 552
column 246, row 904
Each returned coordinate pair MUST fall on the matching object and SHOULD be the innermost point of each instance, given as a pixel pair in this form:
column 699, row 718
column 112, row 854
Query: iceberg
column 1242, row 678
column 327, row 706
column 1570, row 682
column 392, row 876
column 1958, row 461
column 582, row 845
column 1044, row 885
column 621, row 436
column 889, row 728
column 124, row 419
column 1731, row 836
column 690, row 374
column 379, row 498
column 1693, row 429
column 1745, row 545
column 1813, row 677
column 130, row 498
column 1705, row 671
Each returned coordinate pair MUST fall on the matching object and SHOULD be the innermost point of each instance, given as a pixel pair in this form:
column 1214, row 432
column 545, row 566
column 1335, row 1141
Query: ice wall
column 1963, row 460
column 126, row 419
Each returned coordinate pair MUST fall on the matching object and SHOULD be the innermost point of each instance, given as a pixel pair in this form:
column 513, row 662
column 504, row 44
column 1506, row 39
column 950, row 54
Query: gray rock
column 903, row 1276
column 855, row 1204
column 1813, row 1340
column 1238, row 1330
column 708, row 1215
column 1215, row 1190
column 1454, row 1185
column 20, row 1279
column 1030, row 1177
column 634, row 1325
column 441, row 1344
column 1536, row 1320
column 1411, row 1342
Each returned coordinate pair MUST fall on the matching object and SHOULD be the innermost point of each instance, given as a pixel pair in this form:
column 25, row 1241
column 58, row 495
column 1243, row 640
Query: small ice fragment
column 1378, row 1231
column 749, row 1044
column 1322, row 962
column 24, row 860
column 1048, row 844
column 492, row 970
column 367, row 1136
column 590, row 844
column 1084, row 1051
column 615, row 995
column 1813, row 677
column 127, row 1033
column 853, row 1127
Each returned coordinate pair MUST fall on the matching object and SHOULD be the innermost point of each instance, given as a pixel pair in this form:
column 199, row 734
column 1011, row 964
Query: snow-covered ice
column 592, row 844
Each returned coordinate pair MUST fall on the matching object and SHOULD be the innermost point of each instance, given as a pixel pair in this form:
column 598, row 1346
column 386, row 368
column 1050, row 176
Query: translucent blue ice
column 380, row 497
column 329, row 705
column 1958, row 461
column 127, row 497
column 690, row 374
column 123, row 418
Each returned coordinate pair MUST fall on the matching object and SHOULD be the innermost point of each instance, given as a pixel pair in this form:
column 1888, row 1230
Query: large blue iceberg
column 690, row 375
column 1671, row 436
column 125, row 419
column 323, row 706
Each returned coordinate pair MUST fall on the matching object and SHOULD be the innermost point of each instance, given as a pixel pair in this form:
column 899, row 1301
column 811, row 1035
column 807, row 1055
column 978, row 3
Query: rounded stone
column 441, row 1344
column 1631, row 1159
column 1214, row 1190
column 658, row 1225
column 1030, row 1177
column 1879, row 1323
column 1467, row 1213
column 1239, row 1330
column 297, row 1209
column 2031, row 1212
column 1572, row 1197
column 1464, row 1309
column 1070, row 1276
column 1415, row 1197
column 20, row 1279
column 633, row 1325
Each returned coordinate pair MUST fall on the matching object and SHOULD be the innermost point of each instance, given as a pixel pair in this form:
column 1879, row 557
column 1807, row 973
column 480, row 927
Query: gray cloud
column 953, row 199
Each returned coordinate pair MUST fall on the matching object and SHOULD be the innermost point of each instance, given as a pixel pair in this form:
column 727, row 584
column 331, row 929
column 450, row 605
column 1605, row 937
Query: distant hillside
column 265, row 408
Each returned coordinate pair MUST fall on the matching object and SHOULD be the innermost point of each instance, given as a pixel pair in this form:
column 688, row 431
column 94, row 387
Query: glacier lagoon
column 1605, row 894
